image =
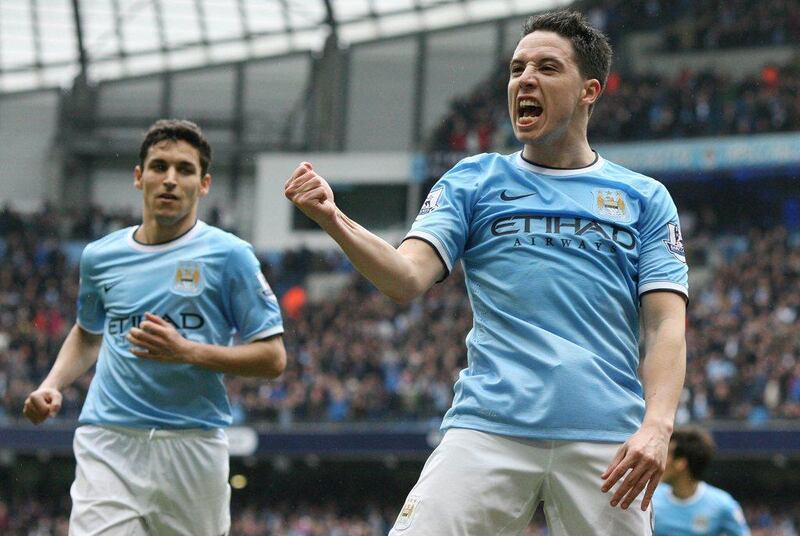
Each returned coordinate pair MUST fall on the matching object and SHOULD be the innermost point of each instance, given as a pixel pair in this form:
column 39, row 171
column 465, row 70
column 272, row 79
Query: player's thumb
column 53, row 402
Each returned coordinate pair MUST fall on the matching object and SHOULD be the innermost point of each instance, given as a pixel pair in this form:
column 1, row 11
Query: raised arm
column 662, row 372
column 402, row 274
column 77, row 355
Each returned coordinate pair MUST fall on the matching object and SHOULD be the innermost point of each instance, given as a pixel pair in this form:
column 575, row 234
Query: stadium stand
column 638, row 107
column 700, row 25
column 715, row 24
column 641, row 106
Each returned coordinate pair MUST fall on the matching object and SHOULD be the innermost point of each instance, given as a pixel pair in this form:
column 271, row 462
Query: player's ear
column 205, row 185
column 591, row 91
column 137, row 177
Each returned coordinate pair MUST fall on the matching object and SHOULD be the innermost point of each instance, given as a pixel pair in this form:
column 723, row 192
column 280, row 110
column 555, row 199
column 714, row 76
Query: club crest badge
column 611, row 204
column 188, row 278
column 700, row 523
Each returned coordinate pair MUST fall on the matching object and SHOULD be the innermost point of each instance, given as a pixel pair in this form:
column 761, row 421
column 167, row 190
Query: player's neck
column 151, row 231
column 564, row 153
column 683, row 488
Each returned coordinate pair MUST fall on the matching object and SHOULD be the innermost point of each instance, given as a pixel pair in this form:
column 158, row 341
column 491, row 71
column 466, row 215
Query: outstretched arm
column 77, row 355
column 402, row 274
column 157, row 339
column 663, row 370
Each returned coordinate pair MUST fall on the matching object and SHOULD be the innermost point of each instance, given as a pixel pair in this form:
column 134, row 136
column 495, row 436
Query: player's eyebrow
column 186, row 164
column 183, row 164
column 538, row 61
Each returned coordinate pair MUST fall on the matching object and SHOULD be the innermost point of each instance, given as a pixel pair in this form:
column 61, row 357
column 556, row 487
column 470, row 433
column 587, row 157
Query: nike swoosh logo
column 108, row 287
column 506, row 197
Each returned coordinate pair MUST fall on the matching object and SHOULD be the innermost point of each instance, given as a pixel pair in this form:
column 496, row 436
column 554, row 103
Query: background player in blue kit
column 684, row 504
column 161, row 303
column 563, row 253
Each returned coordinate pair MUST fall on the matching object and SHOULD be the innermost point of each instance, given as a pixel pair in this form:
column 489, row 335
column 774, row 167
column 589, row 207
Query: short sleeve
column 91, row 308
column 733, row 522
column 251, row 304
column 443, row 220
column 662, row 259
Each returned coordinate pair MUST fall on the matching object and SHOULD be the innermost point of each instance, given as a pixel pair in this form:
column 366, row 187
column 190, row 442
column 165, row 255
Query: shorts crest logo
column 188, row 278
column 611, row 203
column 407, row 513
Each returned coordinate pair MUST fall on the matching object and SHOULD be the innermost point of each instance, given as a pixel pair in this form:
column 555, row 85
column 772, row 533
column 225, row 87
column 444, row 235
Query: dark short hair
column 696, row 446
column 592, row 49
column 174, row 130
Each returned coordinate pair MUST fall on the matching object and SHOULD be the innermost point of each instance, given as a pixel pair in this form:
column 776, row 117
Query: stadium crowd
column 640, row 107
column 700, row 24
column 745, row 354
column 360, row 357
column 714, row 24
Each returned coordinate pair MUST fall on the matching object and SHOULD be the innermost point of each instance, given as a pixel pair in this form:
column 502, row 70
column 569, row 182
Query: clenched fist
column 311, row 194
column 42, row 404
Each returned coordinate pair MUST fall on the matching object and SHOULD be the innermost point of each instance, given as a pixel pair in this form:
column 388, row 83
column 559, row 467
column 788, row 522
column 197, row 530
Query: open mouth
column 527, row 111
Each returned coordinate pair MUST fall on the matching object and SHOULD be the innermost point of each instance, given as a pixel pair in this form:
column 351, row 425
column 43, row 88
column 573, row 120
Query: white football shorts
column 481, row 484
column 131, row 482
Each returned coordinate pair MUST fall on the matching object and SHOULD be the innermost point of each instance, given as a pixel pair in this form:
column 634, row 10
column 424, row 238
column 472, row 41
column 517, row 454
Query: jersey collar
column 555, row 172
column 166, row 246
column 696, row 496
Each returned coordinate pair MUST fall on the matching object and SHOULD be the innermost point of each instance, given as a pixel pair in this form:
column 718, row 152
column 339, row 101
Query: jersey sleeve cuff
column 437, row 246
column 664, row 285
column 87, row 330
column 269, row 332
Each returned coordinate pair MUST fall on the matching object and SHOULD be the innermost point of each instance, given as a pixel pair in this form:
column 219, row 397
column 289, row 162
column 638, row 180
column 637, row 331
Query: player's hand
column 42, row 404
column 157, row 339
column 644, row 454
column 311, row 194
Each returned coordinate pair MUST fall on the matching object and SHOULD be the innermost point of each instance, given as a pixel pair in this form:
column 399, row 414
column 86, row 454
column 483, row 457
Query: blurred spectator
column 293, row 302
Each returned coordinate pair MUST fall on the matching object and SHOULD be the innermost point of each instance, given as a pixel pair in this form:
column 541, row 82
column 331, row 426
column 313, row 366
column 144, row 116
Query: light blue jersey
column 208, row 284
column 709, row 512
column 555, row 263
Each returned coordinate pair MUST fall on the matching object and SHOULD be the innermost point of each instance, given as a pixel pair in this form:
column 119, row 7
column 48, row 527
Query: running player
column 161, row 303
column 683, row 503
column 562, row 251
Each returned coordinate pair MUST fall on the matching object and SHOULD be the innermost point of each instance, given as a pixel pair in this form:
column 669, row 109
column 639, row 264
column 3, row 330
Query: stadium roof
column 47, row 43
